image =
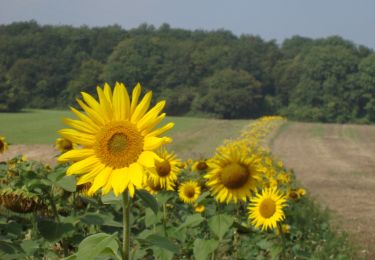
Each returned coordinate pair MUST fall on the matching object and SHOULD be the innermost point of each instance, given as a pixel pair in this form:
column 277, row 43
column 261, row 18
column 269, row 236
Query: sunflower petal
column 161, row 130
column 84, row 166
column 152, row 142
column 100, row 180
column 77, row 137
column 141, row 109
column 75, row 155
column 135, row 95
column 147, row 159
column 120, row 180
column 137, row 173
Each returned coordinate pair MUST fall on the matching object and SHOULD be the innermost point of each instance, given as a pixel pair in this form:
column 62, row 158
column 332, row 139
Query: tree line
column 204, row 73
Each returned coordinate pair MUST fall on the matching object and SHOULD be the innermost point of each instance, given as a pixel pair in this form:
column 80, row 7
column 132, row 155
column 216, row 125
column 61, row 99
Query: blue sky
column 271, row 19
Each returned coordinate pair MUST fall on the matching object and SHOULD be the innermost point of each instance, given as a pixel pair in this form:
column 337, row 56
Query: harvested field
column 336, row 163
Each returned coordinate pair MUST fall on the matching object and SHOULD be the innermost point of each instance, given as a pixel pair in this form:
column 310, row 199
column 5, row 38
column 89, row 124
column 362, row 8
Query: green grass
column 190, row 134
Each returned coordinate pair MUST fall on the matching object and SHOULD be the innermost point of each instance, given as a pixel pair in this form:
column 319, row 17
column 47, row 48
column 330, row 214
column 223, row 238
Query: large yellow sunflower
column 3, row 144
column 189, row 192
column 116, row 139
column 233, row 174
column 266, row 209
column 165, row 172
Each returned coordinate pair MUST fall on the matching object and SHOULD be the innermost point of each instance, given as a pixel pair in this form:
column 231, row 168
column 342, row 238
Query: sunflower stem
column 126, row 225
column 282, row 240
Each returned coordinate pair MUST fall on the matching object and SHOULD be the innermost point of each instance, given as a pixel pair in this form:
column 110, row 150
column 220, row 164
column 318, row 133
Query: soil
column 336, row 163
column 41, row 152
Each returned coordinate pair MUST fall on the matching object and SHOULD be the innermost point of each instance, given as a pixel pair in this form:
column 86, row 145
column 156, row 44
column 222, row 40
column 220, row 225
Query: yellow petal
column 161, row 130
column 89, row 177
column 142, row 108
column 136, row 174
column 121, row 103
column 75, row 155
column 147, row 159
column 150, row 115
column 90, row 101
column 94, row 116
column 84, row 118
column 83, row 166
column 80, row 126
column 105, row 105
column 151, row 124
column 77, row 137
column 108, row 92
column 135, row 96
column 100, row 180
column 120, row 180
column 152, row 143
column 131, row 190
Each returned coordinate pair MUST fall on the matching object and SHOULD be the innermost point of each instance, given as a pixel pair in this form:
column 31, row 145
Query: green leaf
column 161, row 254
column 57, row 174
column 29, row 246
column 192, row 221
column 220, row 224
column 53, row 231
column 203, row 248
column 161, row 242
column 148, row 199
column 151, row 219
column 68, row 183
column 100, row 244
column 264, row 244
column 110, row 198
column 92, row 219
column 163, row 196
column 9, row 248
column 202, row 197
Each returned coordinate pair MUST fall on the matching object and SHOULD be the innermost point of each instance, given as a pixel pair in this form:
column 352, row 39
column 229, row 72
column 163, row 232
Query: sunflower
column 115, row 139
column 233, row 174
column 266, row 209
column 64, row 145
column 165, row 171
column 151, row 187
column 199, row 208
column 189, row 192
column 200, row 165
column 3, row 144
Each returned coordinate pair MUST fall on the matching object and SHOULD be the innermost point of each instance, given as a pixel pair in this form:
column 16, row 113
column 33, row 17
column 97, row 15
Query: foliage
column 328, row 79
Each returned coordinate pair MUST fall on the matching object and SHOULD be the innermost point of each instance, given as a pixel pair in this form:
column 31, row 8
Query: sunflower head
column 116, row 137
column 152, row 187
column 165, row 170
column 3, row 145
column 189, row 192
column 63, row 145
column 200, row 165
column 233, row 174
column 266, row 209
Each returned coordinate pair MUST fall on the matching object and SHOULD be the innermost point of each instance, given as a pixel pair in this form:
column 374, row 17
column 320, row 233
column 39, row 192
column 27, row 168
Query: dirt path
column 40, row 152
column 336, row 163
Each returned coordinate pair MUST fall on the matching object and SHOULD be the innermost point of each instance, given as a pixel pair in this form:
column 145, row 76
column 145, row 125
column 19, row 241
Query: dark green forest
column 200, row 73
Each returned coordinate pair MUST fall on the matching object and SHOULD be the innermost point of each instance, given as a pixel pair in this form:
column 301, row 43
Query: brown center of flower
column 202, row 166
column 189, row 191
column 267, row 208
column 119, row 144
column 163, row 168
column 234, row 175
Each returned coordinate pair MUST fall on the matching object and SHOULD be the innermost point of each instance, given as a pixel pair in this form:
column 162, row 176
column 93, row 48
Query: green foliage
column 215, row 73
column 66, row 223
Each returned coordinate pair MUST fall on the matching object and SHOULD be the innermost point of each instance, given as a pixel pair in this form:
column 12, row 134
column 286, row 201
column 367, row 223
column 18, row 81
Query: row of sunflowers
column 118, row 193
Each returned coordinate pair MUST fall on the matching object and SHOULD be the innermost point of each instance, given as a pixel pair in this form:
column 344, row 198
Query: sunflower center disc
column 267, row 208
column 117, row 143
column 189, row 191
column 202, row 166
column 234, row 175
column 163, row 168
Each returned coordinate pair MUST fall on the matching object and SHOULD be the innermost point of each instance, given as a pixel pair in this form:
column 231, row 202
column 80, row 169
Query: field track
column 336, row 163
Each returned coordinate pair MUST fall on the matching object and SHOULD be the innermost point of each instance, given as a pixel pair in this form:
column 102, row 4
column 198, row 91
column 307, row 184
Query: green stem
column 282, row 240
column 126, row 225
